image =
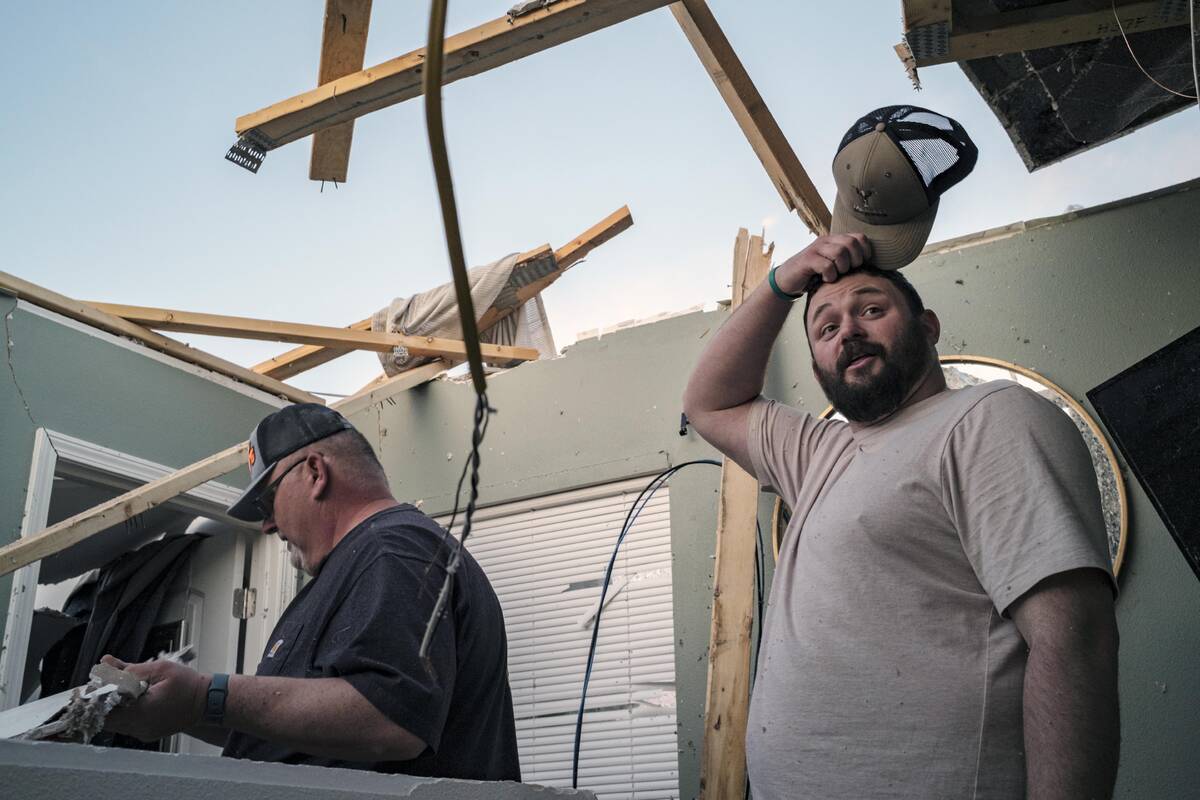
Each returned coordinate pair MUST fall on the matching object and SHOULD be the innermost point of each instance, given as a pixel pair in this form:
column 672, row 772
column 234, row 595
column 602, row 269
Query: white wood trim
column 191, row 369
column 94, row 456
column 53, row 452
column 24, row 581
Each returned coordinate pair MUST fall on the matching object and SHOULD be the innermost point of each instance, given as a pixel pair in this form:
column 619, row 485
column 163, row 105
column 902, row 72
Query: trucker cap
column 276, row 436
column 891, row 169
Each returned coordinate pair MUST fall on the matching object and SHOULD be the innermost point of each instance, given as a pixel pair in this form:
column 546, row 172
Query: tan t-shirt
column 888, row 668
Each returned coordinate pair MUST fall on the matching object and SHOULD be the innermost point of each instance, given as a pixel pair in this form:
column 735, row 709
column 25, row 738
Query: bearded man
column 941, row 619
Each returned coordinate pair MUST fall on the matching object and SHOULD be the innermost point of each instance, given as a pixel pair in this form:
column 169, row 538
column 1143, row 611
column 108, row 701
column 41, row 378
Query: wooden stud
column 751, row 112
column 87, row 523
column 1048, row 25
column 472, row 52
column 305, row 357
column 276, row 331
column 343, row 45
column 299, row 359
column 90, row 315
column 727, row 706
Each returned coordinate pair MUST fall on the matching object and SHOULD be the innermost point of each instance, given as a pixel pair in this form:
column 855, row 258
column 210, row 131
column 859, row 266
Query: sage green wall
column 1077, row 299
column 609, row 410
column 72, row 382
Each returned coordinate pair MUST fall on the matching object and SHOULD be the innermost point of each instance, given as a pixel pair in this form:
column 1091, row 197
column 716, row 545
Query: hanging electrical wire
column 635, row 509
column 432, row 85
column 1138, row 64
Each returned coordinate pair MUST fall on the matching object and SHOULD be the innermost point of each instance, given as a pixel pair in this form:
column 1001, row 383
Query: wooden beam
column 751, row 112
column 727, row 708
column 379, row 390
column 1047, row 26
column 343, row 45
column 927, row 25
column 90, row 315
column 472, row 52
column 87, row 523
column 305, row 357
column 565, row 257
column 75, row 529
column 918, row 13
column 300, row 359
column 276, row 331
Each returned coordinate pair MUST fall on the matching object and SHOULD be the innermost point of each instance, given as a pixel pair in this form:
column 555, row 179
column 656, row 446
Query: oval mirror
column 963, row 371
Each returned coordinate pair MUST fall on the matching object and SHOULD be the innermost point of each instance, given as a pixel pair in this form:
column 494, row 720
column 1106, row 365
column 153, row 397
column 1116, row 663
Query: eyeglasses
column 265, row 502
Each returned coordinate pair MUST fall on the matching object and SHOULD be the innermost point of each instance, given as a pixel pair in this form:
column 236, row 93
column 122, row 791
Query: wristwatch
column 214, row 699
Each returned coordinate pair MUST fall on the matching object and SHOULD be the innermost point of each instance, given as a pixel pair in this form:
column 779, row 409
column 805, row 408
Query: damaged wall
column 76, row 380
column 1076, row 298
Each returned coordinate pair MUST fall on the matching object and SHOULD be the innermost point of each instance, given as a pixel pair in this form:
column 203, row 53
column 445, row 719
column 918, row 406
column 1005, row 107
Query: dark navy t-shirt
column 362, row 619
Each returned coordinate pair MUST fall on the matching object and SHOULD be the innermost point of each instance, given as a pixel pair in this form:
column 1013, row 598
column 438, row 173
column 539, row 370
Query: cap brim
column 243, row 508
column 893, row 246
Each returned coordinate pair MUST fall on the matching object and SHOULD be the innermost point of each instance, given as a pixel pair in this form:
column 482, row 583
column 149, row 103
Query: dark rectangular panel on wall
column 1152, row 411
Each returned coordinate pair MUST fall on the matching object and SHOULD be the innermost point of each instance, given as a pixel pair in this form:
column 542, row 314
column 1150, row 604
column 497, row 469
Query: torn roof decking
column 1059, row 75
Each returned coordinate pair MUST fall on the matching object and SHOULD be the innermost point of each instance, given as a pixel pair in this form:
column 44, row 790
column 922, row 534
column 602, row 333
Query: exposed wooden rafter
column 87, row 523
column 472, row 52
column 751, row 112
column 300, row 359
column 936, row 36
column 273, row 330
column 90, row 315
column 727, row 706
column 343, row 45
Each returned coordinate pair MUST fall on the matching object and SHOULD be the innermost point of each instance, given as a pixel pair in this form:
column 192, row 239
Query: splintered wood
column 727, row 708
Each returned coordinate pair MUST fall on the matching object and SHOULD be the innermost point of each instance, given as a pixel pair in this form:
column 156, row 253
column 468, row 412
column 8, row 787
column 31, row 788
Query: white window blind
column 546, row 559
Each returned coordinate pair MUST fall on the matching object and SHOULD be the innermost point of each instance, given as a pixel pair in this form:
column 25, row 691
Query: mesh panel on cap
column 931, row 157
column 928, row 118
column 938, row 148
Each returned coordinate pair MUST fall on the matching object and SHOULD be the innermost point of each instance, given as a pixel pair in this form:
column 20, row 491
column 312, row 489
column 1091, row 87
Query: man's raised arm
column 732, row 368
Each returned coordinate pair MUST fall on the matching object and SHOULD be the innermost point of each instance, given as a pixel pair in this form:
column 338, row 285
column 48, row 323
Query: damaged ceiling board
column 1058, row 101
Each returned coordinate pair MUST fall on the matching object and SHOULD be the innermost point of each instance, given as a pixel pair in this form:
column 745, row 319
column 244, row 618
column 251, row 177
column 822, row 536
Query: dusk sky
column 119, row 115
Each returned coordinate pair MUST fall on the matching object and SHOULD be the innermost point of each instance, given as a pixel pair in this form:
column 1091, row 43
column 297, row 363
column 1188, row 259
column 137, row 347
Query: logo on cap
column 865, row 207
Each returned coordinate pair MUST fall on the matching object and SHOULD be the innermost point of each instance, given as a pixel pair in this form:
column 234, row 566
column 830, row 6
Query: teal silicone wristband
column 214, row 699
column 780, row 293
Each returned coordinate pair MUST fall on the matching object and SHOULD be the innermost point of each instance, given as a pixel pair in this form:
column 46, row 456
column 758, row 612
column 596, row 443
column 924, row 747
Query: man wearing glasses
column 340, row 683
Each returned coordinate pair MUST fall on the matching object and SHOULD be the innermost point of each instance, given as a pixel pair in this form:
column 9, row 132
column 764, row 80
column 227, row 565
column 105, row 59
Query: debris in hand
column 85, row 710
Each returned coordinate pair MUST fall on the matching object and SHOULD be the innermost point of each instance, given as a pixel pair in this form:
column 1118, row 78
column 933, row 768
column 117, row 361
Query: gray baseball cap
column 279, row 435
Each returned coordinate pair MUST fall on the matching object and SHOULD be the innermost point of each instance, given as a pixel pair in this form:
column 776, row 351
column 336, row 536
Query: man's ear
column 318, row 468
column 931, row 325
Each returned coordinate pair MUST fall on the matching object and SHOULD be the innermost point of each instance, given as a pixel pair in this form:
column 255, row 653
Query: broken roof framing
column 328, row 113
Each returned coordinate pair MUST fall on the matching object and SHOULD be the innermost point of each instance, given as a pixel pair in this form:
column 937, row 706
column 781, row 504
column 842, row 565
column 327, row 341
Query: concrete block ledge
column 80, row 772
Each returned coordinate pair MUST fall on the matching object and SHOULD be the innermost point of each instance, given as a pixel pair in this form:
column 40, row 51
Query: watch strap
column 214, row 699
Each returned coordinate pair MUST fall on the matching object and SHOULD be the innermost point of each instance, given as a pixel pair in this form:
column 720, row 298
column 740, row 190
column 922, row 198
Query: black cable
column 432, row 86
column 760, row 583
column 635, row 509
column 760, row 566
column 482, row 415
